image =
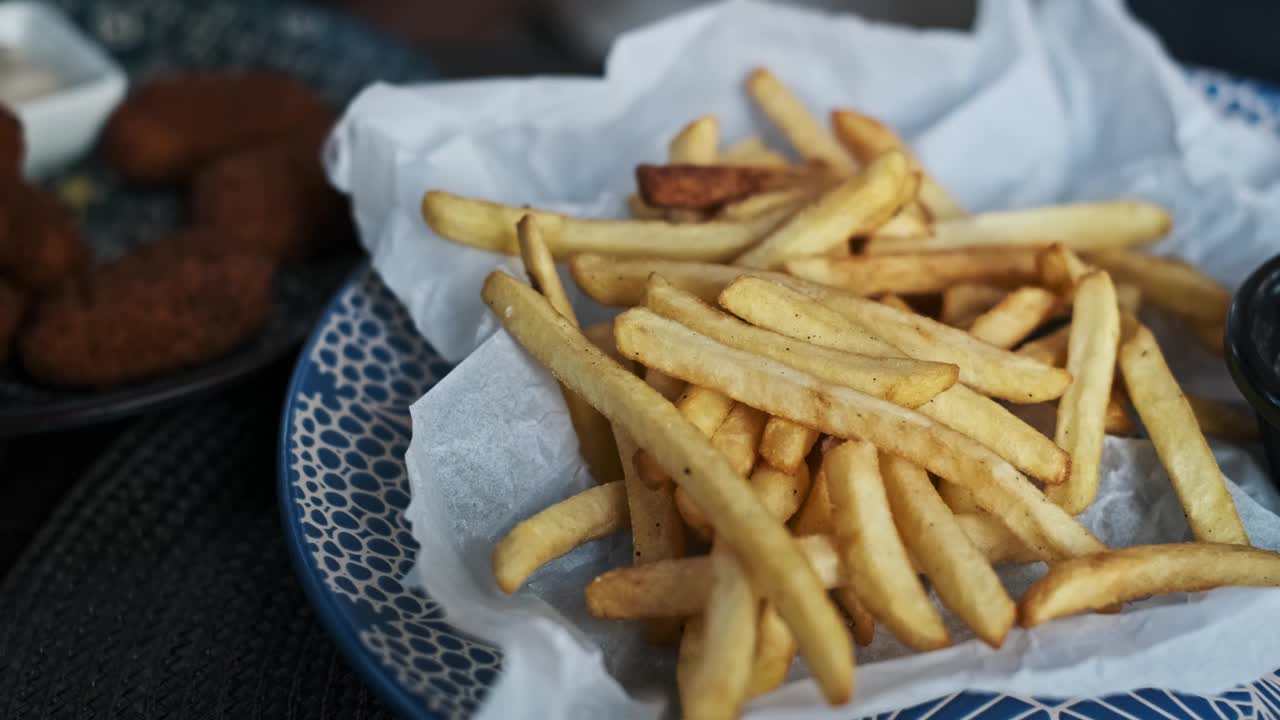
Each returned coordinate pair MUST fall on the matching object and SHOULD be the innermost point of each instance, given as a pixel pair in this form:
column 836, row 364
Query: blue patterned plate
column 344, row 489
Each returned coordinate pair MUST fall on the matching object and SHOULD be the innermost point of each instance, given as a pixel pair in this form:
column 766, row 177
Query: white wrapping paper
column 1044, row 102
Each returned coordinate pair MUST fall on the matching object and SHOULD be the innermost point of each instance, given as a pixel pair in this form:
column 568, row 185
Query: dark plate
column 333, row 54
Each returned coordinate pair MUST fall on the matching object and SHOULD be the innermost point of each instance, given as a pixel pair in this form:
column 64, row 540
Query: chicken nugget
column 42, row 243
column 170, row 127
column 13, row 147
column 165, row 306
column 274, row 198
column 12, row 304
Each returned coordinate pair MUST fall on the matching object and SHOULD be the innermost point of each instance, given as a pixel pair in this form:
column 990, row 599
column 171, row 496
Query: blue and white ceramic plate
column 344, row 489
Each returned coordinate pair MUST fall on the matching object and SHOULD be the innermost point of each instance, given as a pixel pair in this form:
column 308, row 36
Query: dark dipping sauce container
column 1253, row 352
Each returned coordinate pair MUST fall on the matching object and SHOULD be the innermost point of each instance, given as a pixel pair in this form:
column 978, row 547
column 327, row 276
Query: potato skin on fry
column 167, row 305
column 701, row 187
column 171, row 126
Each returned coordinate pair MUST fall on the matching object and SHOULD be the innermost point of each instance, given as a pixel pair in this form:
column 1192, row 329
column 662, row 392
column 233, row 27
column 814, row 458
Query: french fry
column 738, row 437
column 785, row 444
column 805, row 133
column 641, row 211
column 491, row 226
column 656, row 532
column 901, row 381
column 1129, row 297
column 994, row 371
column 904, row 224
column 595, row 438
column 1118, row 576
column 863, row 622
column 1091, row 360
column 991, row 538
column 1015, row 317
column 1117, row 420
column 814, row 515
column 622, row 282
column 896, row 301
column 772, row 557
column 775, row 647
column 1083, row 226
column 868, row 542
column 697, row 143
column 958, row 499
column 789, row 199
column 1050, row 349
column 959, row 408
column 1221, row 421
column 775, row 388
column 960, row 575
column 706, row 409
column 1060, row 269
column 601, row 335
column 716, row 684
column 964, row 303
column 854, row 207
column 1168, row 283
column 1210, row 335
column 704, row 187
column 1172, row 426
column 751, row 150
column 536, row 541
column 781, row 492
column 918, row 273
column 866, row 138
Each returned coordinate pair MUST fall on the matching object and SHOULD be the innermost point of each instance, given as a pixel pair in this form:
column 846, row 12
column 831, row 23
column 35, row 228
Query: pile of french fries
column 804, row 415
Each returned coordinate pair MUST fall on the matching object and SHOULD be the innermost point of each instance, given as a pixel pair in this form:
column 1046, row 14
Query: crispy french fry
column 622, row 281
column 780, row 492
column 1172, row 426
column 863, row 622
column 1091, row 360
column 601, row 335
column 716, row 685
column 1015, row 317
column 1118, row 576
column 966, row 302
column 780, row 390
column 866, row 137
column 595, row 438
column 805, row 133
column 908, row 223
column 1168, row 283
column 1083, row 226
column 536, row 541
column 704, row 187
column 491, row 226
column 751, row 150
column 1060, row 269
column 960, row 575
column 785, row 444
column 691, row 644
column 994, row 371
column 775, row 646
column 918, row 273
column 1219, row 420
column 814, row 515
column 991, row 538
column 896, row 301
column 902, row 381
column 854, row 207
column 1210, row 335
column 697, row 143
column 772, row 557
column 641, row 211
column 738, row 437
column 754, row 206
column 1117, row 420
column 703, row 407
column 959, row 407
column 958, row 499
column 1129, row 297
column 868, row 542
column 1050, row 349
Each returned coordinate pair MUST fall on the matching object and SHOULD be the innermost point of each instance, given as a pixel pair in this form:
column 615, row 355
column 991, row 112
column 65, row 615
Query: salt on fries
column 844, row 316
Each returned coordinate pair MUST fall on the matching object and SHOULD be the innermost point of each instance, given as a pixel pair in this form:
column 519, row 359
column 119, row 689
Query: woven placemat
column 162, row 587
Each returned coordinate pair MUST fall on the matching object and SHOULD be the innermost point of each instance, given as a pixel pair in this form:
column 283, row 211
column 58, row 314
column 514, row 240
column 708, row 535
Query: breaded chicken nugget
column 42, row 243
column 167, row 305
column 168, row 128
column 274, row 198
column 12, row 303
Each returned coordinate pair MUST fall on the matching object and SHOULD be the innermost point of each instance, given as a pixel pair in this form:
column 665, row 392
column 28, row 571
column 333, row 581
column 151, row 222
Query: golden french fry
column 704, row 187
column 896, row 301
column 785, row 444
column 1168, row 283
column 901, row 381
column 691, row 643
column 1118, row 576
column 491, row 226
column 1219, row 420
column 738, row 437
column 907, row 223
column 992, row 370
column 536, row 541
column 697, row 143
column 1083, row 226
column 1172, row 426
column 601, row 335
column 918, row 273
column 991, row 538
column 958, row 499
column 854, row 207
column 863, row 622
column 1129, row 297
column 751, row 150
column 780, row 492
column 622, row 281
column 1091, row 360
column 805, row 133
column 1049, row 349
column 959, row 408
column 960, row 575
column 964, row 303
column 641, row 211
column 1211, row 336
column 772, row 557
column 716, row 685
column 595, row 438
column 703, row 407
column 775, row 646
column 1117, row 419
column 789, row 200
column 868, row 542
column 648, row 470
column 1060, row 269
column 1015, row 317
column 866, row 138
column 780, row 390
